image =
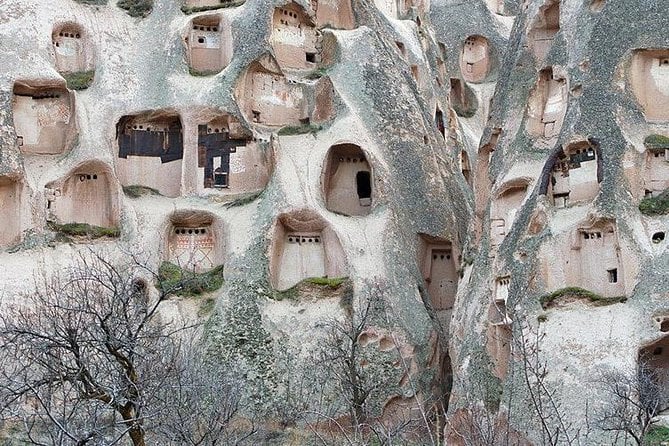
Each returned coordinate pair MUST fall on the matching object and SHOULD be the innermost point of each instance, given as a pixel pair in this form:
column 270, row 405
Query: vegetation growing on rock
column 79, row 81
column 655, row 205
column 136, row 191
column 182, row 282
column 223, row 4
column 300, row 130
column 314, row 287
column 85, row 230
column 553, row 298
column 136, row 8
column 656, row 142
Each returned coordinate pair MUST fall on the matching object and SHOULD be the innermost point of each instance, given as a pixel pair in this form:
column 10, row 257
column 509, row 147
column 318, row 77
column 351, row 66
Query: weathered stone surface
column 457, row 161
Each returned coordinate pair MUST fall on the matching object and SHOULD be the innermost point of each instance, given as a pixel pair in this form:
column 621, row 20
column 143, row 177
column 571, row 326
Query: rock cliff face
column 489, row 177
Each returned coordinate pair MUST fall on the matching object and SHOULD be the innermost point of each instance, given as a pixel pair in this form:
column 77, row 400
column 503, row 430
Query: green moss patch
column 197, row 73
column 571, row 293
column 206, row 307
column 655, row 205
column 243, row 199
column 84, row 230
column 656, row 436
column 330, row 282
column 657, row 142
column 80, row 80
column 317, row 73
column 299, row 130
column 136, row 8
column 175, row 280
column 223, row 4
column 136, row 191
column 92, row 2
column 319, row 287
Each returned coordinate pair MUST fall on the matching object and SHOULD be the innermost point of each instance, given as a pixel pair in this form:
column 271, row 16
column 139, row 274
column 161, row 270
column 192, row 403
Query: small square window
column 613, row 275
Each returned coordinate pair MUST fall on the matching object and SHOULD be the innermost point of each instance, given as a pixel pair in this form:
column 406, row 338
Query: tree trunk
column 137, row 435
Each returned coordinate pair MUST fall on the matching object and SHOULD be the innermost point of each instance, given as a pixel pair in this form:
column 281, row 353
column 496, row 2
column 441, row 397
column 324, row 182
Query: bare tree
column 85, row 356
column 634, row 399
column 475, row 425
column 201, row 403
column 343, row 354
column 362, row 377
column 555, row 427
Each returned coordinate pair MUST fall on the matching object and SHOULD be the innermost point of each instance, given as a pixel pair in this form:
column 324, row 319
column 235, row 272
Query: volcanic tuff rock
column 467, row 165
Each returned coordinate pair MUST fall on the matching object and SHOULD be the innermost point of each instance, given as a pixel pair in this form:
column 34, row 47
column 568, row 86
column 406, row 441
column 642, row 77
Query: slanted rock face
column 570, row 116
column 10, row 204
column 458, row 163
column 649, row 78
column 295, row 39
column 334, row 13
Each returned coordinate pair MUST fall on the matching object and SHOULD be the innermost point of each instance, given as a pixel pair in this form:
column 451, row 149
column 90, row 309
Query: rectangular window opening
column 613, row 275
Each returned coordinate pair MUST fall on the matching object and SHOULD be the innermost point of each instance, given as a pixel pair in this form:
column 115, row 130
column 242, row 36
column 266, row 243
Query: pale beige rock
column 88, row 194
column 72, row 48
column 304, row 246
column 348, row 185
column 43, row 116
column 475, row 59
column 195, row 240
column 209, row 43
column 547, row 104
column 545, row 26
column 649, row 79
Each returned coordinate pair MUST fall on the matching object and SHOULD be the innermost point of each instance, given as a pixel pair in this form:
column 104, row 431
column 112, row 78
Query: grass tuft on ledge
column 136, row 191
column 319, row 286
column 223, row 4
column 317, row 73
column 655, row 205
column 551, row 299
column 330, row 282
column 181, row 282
column 136, row 8
column 656, row 142
column 299, row 129
column 656, row 436
column 80, row 80
column 84, row 230
column 92, row 2
column 243, row 200
column 196, row 73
